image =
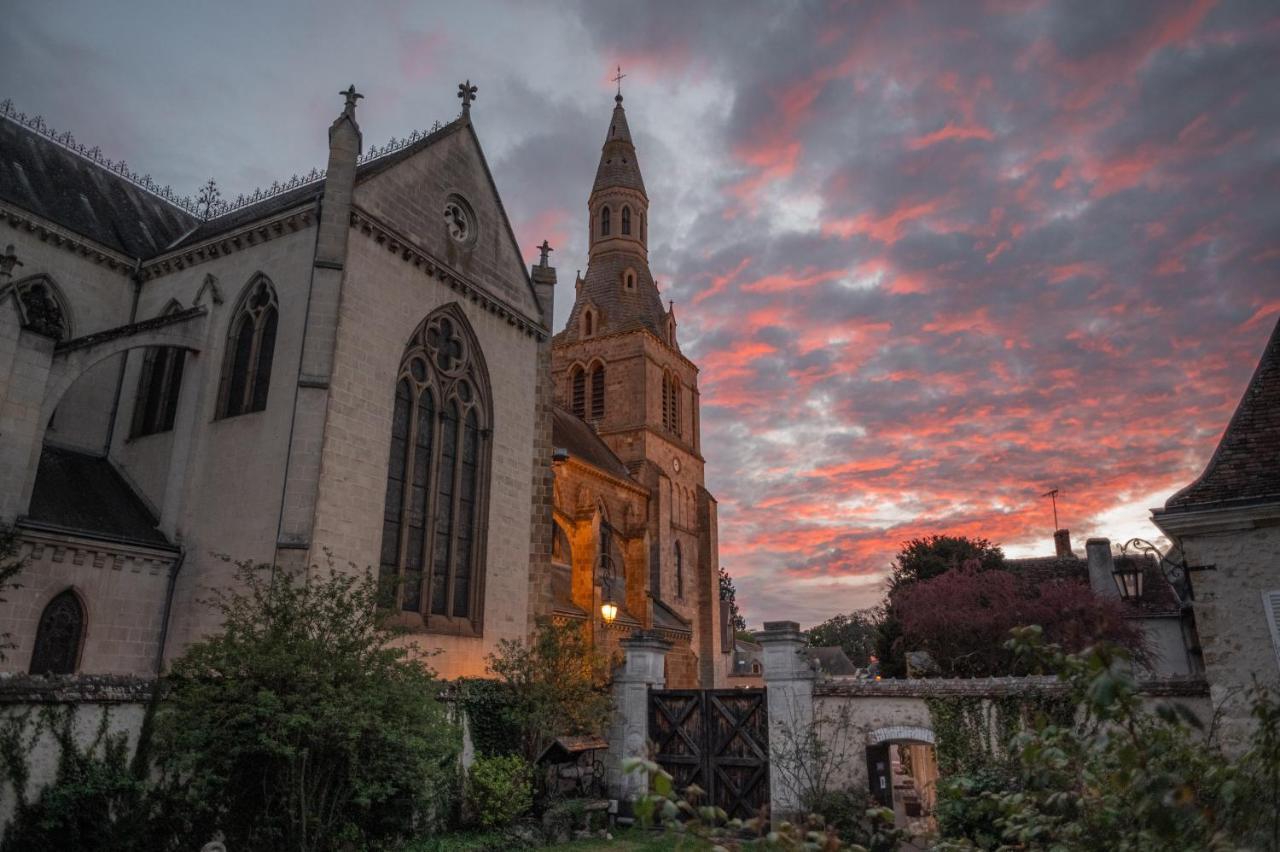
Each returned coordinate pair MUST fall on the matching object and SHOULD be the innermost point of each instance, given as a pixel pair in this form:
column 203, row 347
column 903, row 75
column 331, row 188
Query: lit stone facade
column 355, row 262
column 629, row 428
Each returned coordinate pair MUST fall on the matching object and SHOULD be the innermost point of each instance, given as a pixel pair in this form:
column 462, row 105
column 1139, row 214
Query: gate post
column 641, row 670
column 788, row 681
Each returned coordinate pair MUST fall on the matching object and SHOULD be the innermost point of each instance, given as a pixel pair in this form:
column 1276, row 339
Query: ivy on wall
column 486, row 704
column 974, row 733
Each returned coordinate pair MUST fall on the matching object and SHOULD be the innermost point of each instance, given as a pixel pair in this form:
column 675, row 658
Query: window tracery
column 578, row 379
column 436, row 498
column 597, row 392
column 59, row 636
column 251, row 344
column 42, row 307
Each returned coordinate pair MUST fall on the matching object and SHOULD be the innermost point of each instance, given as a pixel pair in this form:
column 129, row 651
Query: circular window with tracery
column 459, row 220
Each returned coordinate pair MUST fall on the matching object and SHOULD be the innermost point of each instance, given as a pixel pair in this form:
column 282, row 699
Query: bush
column 299, row 726
column 500, row 790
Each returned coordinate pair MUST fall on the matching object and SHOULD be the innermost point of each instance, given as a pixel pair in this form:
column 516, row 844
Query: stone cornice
column 74, row 689
column 622, row 333
column 1214, row 520
column 231, row 241
column 51, row 233
column 383, row 234
column 989, row 687
column 592, row 470
column 81, row 548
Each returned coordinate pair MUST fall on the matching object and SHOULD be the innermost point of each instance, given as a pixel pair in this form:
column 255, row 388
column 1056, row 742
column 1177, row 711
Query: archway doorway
column 902, row 770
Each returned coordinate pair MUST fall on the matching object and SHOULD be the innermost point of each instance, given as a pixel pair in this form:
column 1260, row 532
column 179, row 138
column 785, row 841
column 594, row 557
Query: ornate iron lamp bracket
column 1178, row 574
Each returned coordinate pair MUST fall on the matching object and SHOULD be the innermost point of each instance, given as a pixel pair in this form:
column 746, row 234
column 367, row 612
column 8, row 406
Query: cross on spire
column 467, row 92
column 618, row 79
column 352, row 96
column 545, row 250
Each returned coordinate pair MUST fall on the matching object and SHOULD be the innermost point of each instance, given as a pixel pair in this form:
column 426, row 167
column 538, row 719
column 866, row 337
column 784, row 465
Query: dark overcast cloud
column 933, row 258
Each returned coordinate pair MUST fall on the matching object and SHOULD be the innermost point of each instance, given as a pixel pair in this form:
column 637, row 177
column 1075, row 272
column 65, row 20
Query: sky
column 933, row 259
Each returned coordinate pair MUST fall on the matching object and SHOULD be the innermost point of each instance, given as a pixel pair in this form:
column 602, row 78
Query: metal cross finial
column 467, row 92
column 545, row 249
column 618, row 79
column 352, row 96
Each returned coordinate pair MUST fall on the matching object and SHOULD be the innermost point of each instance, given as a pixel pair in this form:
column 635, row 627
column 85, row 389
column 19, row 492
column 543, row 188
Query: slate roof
column 619, row 309
column 666, row 618
column 81, row 492
column 41, row 176
column 832, row 660
column 573, row 434
column 1245, row 468
column 618, row 164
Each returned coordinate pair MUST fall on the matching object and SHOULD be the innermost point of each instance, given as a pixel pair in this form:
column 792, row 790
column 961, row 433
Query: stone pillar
column 21, row 426
column 1101, row 566
column 641, row 671
column 788, row 681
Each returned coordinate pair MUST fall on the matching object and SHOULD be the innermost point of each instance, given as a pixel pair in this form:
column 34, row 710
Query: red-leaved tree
column 962, row 618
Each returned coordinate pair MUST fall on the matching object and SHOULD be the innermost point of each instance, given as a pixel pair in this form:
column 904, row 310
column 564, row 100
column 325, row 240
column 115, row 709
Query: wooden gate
column 717, row 739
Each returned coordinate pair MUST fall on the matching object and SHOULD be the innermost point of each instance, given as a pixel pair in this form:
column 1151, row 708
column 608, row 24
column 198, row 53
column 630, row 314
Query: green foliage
column 300, row 726
column 729, row 595
column 681, row 814
column 1120, row 776
column 468, row 841
column 500, row 790
column 10, row 566
column 856, row 633
column 926, row 558
column 95, row 800
column 554, row 685
column 491, row 724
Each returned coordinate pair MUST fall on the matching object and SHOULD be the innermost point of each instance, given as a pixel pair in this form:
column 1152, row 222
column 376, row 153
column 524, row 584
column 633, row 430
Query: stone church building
column 355, row 366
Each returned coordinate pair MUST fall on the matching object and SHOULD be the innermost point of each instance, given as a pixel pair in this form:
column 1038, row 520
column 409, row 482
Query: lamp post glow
column 608, row 611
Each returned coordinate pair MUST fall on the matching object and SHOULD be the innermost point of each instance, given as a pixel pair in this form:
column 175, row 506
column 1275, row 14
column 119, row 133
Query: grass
column 632, row 840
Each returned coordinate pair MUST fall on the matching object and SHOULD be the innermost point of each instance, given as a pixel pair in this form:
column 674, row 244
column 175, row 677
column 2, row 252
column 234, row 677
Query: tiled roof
column 81, row 492
column 618, row 308
column 666, row 618
column 1158, row 596
column 571, row 433
column 618, row 164
column 1245, row 468
column 47, row 179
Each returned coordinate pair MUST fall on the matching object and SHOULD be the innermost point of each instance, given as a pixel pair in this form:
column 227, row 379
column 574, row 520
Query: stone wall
column 32, row 702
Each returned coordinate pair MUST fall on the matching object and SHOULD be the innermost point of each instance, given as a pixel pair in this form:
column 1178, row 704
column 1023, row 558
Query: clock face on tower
column 675, row 465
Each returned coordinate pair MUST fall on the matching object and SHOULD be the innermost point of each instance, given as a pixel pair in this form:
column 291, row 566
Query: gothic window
column 671, row 403
column 597, row 392
column 251, row 344
column 626, row 221
column 156, row 403
column 642, row 237
column 42, row 307
column 629, row 279
column 604, row 222
column 58, row 636
column 434, row 510
column 588, row 323
column 679, row 572
column 578, row 380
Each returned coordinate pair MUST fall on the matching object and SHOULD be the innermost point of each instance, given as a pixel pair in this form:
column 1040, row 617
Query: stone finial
column 544, row 250
column 349, row 108
column 8, row 261
column 467, row 93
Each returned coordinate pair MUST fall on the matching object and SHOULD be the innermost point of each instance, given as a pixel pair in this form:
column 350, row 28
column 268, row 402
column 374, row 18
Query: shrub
column 11, row 564
column 300, row 725
column 500, row 790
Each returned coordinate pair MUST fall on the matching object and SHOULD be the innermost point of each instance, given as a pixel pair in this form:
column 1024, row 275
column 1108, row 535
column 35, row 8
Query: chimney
column 1062, row 544
column 1101, row 577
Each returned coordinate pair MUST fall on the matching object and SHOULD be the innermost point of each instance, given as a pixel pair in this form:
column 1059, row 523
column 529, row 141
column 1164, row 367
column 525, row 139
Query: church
column 353, row 368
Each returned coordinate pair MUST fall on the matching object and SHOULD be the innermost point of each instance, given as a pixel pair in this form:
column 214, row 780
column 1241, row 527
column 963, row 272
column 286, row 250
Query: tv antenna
column 1052, row 494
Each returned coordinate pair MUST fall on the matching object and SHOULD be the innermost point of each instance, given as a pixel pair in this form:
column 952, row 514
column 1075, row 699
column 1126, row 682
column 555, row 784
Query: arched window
column 629, row 279
column 156, row 403
column 626, row 221
column 43, row 309
column 642, row 236
column 59, row 636
column 604, row 222
column 597, row 392
column 679, row 572
column 671, row 403
column 434, row 512
column 588, row 323
column 579, row 383
column 251, row 344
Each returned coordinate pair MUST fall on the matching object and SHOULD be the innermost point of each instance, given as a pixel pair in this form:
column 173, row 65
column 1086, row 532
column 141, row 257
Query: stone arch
column 902, row 733
column 51, row 652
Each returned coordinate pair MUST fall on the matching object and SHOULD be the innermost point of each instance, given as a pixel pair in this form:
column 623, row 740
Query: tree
column 10, row 565
column 301, row 725
column 554, row 685
column 730, row 595
column 963, row 616
column 856, row 633
column 1120, row 774
column 925, row 558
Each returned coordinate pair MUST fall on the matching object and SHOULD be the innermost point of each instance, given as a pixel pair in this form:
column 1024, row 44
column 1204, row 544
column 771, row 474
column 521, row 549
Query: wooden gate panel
column 717, row 739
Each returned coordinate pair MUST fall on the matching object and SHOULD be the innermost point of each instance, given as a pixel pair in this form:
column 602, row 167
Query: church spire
column 618, row 165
